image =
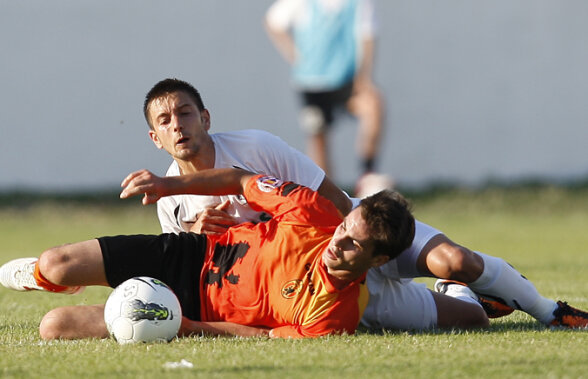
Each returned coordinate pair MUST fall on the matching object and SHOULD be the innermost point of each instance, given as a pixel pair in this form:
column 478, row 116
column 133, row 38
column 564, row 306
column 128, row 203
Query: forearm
column 283, row 42
column 225, row 181
column 220, row 328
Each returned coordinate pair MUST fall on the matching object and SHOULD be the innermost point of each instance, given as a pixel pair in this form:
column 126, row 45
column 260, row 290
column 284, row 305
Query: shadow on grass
column 501, row 327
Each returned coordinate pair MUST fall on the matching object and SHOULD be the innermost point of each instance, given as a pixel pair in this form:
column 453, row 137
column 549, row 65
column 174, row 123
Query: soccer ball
column 142, row 309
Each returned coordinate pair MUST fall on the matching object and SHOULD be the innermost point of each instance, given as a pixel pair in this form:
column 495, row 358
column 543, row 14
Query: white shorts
column 396, row 302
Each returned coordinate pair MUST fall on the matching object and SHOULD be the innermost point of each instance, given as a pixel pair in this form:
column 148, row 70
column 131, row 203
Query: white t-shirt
column 253, row 150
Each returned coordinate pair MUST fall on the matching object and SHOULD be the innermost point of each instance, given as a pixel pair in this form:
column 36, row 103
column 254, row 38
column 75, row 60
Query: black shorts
column 176, row 260
column 327, row 102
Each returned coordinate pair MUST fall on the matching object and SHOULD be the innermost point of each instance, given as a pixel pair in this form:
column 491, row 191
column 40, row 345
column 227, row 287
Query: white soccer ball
column 142, row 309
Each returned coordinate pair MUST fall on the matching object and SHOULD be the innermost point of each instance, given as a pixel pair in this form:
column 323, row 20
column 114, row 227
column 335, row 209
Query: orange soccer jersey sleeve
column 307, row 206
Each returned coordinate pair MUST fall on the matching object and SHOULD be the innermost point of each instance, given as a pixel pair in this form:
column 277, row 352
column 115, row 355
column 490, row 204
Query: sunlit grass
column 541, row 231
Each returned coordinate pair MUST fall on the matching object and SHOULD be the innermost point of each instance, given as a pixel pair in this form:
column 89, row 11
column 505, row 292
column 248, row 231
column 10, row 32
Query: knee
column 457, row 263
column 53, row 264
column 312, row 120
column 53, row 325
column 477, row 318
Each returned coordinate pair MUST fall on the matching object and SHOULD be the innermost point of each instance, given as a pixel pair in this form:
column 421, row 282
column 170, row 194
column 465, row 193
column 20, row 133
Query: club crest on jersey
column 268, row 183
column 291, row 288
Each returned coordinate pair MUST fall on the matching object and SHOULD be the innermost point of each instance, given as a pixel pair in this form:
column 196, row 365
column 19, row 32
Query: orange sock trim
column 46, row 284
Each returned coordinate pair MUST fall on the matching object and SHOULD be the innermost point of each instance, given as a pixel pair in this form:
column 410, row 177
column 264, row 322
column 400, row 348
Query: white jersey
column 253, row 150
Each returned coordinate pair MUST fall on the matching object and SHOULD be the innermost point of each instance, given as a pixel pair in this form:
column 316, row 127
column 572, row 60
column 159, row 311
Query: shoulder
column 249, row 136
column 281, row 13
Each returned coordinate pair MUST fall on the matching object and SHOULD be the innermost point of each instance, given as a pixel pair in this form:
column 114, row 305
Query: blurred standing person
column 330, row 45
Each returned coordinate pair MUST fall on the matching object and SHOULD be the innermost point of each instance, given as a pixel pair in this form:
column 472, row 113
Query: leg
column 78, row 264
column 456, row 313
column 74, row 322
column 433, row 254
column 318, row 150
column 442, row 258
column 366, row 104
column 64, row 269
column 315, row 118
column 488, row 276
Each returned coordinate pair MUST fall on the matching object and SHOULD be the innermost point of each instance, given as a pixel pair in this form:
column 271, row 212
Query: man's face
column 351, row 248
column 178, row 126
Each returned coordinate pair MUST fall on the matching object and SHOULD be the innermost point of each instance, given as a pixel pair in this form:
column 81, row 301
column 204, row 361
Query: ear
column 205, row 117
column 379, row 260
column 155, row 138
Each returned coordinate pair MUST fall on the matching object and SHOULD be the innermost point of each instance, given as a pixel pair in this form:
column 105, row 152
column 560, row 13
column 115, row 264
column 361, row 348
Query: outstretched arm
column 225, row 181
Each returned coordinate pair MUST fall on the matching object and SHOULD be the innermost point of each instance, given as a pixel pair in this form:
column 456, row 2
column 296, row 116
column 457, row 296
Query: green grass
column 541, row 231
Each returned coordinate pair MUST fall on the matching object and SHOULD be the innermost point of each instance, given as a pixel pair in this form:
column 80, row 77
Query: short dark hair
column 167, row 86
column 389, row 221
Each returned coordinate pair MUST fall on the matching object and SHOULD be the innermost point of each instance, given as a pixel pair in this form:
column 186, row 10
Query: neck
column 341, row 278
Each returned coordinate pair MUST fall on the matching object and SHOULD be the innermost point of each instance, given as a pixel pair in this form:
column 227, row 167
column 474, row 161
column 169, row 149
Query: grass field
column 540, row 230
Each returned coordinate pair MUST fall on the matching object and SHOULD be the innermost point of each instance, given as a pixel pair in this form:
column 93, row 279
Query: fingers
column 223, row 206
column 131, row 176
column 141, row 182
column 214, row 220
column 215, row 216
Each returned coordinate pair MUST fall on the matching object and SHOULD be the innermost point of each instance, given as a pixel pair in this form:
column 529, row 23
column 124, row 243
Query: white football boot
column 18, row 274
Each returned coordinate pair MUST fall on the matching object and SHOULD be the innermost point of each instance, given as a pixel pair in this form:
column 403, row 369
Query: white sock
column 501, row 281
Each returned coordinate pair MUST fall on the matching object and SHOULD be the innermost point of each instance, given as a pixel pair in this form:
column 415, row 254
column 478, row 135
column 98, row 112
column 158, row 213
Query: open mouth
column 182, row 140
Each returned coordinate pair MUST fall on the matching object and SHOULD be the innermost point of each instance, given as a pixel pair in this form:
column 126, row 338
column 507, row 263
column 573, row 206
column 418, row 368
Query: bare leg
column 454, row 313
column 77, row 264
column 366, row 104
column 442, row 258
column 74, row 322
column 318, row 150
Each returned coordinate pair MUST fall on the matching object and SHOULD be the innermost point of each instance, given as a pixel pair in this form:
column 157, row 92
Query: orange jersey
column 271, row 274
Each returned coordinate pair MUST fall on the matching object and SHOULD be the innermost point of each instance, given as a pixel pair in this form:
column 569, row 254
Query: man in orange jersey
column 300, row 274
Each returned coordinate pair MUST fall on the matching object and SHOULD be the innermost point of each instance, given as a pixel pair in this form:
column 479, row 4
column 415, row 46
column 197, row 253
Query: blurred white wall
column 475, row 90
